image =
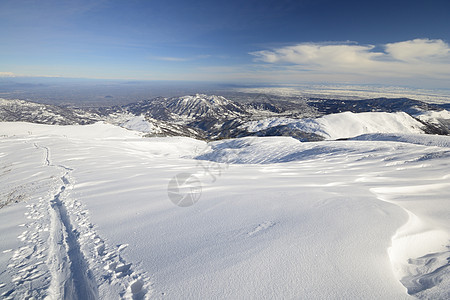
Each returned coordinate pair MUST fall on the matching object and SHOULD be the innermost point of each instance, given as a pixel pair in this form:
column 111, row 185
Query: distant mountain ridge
column 212, row 117
column 21, row 110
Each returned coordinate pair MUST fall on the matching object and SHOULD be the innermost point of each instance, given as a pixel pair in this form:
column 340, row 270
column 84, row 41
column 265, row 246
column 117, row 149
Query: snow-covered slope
column 139, row 123
column 272, row 217
column 440, row 120
column 345, row 125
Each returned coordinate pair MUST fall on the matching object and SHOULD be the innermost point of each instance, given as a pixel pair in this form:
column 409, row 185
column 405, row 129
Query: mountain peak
column 206, row 99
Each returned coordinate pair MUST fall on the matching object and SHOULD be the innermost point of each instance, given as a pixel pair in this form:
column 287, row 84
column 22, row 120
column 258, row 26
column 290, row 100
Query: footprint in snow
column 261, row 227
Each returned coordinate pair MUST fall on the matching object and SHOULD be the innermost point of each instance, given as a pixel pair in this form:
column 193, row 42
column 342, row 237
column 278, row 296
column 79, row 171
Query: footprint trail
column 63, row 257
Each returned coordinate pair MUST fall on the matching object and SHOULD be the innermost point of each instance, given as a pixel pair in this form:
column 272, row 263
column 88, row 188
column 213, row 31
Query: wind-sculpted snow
column 267, row 150
column 426, row 140
column 272, row 217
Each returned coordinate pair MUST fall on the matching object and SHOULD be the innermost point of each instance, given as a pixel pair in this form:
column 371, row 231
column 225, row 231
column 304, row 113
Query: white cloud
column 180, row 59
column 11, row 74
column 422, row 58
column 419, row 50
column 317, row 54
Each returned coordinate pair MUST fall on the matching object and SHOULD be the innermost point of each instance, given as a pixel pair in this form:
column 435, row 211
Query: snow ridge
column 344, row 125
column 419, row 252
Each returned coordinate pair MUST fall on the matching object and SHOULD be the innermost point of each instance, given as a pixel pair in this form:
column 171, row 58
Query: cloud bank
column 416, row 58
column 7, row 74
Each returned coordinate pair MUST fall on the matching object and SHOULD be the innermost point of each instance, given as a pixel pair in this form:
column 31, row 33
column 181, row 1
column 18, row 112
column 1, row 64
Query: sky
column 254, row 41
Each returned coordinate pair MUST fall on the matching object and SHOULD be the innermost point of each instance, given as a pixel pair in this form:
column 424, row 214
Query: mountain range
column 211, row 117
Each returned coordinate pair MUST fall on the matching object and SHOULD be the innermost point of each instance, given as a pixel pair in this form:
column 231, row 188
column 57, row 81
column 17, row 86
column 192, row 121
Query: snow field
column 276, row 218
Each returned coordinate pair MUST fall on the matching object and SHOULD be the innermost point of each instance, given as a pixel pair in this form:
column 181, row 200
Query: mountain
column 20, row 110
column 343, row 125
column 207, row 115
column 437, row 122
column 331, row 106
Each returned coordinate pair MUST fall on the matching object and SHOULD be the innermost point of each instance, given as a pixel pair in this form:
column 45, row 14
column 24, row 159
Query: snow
column 139, row 123
column 254, row 126
column 276, row 218
column 132, row 122
column 345, row 125
column 433, row 116
column 211, row 99
column 419, row 139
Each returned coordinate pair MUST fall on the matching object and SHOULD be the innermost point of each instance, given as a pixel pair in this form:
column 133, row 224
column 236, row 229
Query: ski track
column 61, row 260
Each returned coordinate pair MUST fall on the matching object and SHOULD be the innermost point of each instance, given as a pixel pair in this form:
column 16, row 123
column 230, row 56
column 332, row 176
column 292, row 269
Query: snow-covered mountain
column 206, row 116
column 438, row 121
column 203, row 114
column 189, row 108
column 20, row 110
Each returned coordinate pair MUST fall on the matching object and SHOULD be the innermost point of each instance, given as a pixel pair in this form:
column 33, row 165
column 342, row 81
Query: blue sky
column 264, row 41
